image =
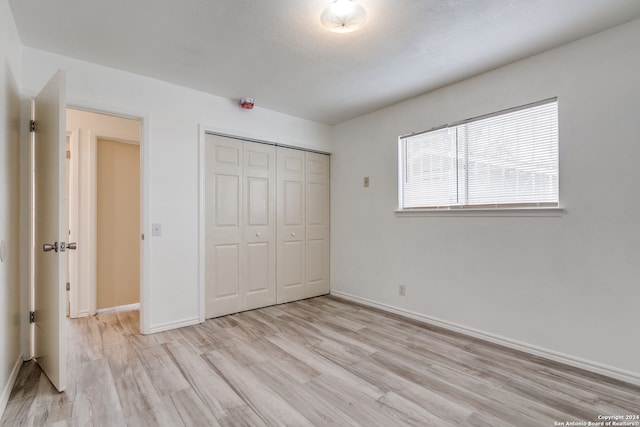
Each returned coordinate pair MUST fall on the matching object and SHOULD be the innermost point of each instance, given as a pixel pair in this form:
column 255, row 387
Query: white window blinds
column 506, row 159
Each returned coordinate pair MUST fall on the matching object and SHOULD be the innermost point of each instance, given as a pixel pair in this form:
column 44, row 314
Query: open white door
column 50, row 231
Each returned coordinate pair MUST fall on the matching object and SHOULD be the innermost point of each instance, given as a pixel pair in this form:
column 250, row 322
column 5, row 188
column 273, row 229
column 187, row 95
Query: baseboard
column 587, row 365
column 127, row 307
column 6, row 391
column 84, row 313
column 174, row 325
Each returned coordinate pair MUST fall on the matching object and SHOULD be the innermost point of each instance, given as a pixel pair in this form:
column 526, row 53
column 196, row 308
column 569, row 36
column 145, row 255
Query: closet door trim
column 261, row 141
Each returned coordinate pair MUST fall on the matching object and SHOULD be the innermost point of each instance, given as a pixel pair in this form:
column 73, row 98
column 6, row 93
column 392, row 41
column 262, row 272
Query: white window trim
column 484, row 212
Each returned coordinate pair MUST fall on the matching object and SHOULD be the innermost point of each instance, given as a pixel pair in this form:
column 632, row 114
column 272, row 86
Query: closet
column 266, row 225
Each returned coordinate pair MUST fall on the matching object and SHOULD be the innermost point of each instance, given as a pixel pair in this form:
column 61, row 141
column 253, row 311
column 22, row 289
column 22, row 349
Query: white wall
column 10, row 51
column 170, row 144
column 569, row 285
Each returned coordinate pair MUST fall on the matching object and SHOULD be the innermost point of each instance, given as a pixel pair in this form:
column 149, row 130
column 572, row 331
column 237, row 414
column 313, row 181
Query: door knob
column 257, row 234
column 293, row 234
column 72, row 246
column 47, row 247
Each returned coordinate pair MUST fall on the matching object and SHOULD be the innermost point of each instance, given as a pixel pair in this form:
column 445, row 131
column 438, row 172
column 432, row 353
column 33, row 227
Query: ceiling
column 277, row 52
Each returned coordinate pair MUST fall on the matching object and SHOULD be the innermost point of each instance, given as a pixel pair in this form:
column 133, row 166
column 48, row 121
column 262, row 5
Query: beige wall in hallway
column 118, row 237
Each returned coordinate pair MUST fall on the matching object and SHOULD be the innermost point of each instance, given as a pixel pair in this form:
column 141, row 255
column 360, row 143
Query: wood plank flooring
column 322, row 361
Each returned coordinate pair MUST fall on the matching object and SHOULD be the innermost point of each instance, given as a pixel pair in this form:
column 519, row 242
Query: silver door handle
column 72, row 246
column 47, row 247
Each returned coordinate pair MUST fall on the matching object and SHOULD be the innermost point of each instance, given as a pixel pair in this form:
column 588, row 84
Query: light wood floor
column 321, row 361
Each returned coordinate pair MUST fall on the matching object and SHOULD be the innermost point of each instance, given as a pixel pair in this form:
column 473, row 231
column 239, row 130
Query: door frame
column 145, row 223
column 72, row 213
column 89, row 244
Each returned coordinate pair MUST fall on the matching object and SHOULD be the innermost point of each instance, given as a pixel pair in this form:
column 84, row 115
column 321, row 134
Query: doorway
column 53, row 233
column 104, row 207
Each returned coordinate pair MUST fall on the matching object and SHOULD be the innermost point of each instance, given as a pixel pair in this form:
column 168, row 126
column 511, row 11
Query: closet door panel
column 260, row 271
column 291, row 275
column 226, row 266
column 259, row 287
column 293, row 204
column 227, row 202
column 317, row 224
column 224, row 250
column 316, row 261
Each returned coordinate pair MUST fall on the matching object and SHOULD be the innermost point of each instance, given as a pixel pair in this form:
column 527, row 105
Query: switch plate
column 156, row 229
column 402, row 290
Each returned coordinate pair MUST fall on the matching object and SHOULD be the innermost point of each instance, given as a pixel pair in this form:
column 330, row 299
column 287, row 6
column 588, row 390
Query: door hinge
column 142, row 236
column 32, row 125
column 68, row 286
column 32, row 317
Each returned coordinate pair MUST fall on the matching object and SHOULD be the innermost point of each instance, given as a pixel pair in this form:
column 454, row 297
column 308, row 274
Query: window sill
column 487, row 212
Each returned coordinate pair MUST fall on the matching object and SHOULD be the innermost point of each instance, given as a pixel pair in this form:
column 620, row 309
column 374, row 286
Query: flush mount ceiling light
column 343, row 16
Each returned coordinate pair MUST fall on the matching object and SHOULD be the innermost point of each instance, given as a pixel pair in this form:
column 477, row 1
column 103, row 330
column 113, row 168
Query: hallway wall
column 118, row 235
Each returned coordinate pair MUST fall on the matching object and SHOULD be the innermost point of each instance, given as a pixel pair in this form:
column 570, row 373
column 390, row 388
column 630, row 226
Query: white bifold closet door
column 291, row 225
column 303, row 224
column 240, row 212
column 267, row 225
column 317, row 211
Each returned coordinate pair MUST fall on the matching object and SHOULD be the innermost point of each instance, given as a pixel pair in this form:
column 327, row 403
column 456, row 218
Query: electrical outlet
column 402, row 290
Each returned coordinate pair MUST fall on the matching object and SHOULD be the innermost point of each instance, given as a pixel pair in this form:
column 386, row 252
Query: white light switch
column 156, row 229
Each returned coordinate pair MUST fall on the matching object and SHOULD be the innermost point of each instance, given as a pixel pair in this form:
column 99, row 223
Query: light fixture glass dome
column 343, row 16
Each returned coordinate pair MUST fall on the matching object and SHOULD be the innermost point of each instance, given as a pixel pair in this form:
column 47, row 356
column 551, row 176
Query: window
column 507, row 159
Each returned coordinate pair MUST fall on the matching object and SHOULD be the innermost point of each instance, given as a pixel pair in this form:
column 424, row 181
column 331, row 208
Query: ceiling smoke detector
column 247, row 103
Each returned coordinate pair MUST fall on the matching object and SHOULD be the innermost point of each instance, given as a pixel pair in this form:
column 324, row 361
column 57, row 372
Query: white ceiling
column 277, row 52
